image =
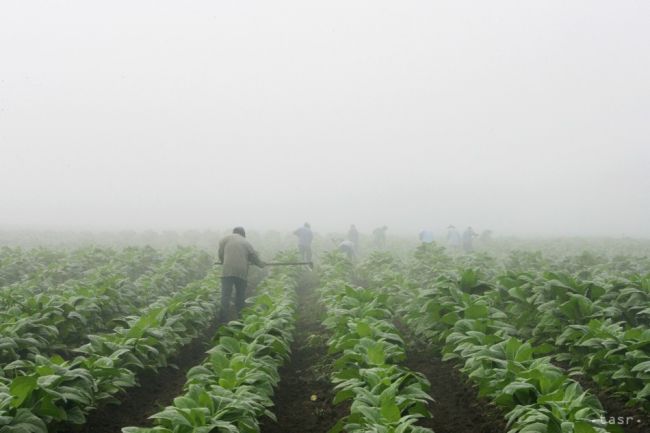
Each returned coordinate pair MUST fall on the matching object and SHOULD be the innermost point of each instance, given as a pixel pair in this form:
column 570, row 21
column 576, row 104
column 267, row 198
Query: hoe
column 310, row 264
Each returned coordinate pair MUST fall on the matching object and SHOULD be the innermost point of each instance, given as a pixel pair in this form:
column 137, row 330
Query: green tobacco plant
column 595, row 326
column 385, row 397
column 64, row 391
column 57, row 319
column 232, row 389
column 518, row 375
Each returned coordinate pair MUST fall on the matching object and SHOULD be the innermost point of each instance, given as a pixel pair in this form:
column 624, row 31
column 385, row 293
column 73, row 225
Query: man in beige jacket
column 236, row 254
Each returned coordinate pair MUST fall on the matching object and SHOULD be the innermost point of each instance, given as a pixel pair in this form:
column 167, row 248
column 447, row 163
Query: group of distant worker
column 455, row 240
column 236, row 254
column 348, row 246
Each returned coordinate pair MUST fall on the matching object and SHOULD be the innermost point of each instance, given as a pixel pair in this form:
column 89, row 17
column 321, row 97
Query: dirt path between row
column 303, row 400
column 456, row 407
column 156, row 391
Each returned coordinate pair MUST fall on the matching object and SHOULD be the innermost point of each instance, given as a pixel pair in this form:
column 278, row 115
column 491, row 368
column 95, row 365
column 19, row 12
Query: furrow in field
column 231, row 391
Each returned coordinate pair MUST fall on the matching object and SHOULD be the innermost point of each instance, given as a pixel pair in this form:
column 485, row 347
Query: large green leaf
column 21, row 388
column 376, row 354
column 228, row 378
column 24, row 422
column 390, row 411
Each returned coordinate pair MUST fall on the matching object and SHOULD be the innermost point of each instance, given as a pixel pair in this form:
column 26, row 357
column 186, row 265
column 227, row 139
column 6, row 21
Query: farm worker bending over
column 305, row 236
column 235, row 253
column 347, row 247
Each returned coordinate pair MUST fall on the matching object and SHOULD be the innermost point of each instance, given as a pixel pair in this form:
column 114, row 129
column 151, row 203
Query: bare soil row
column 303, row 401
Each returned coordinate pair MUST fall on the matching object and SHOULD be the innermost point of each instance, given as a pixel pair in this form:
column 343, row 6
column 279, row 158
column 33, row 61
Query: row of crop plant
column 232, row 390
column 592, row 319
column 599, row 327
column 128, row 265
column 44, row 270
column 60, row 319
column 53, row 266
column 516, row 374
column 385, row 396
column 49, row 391
column 588, row 316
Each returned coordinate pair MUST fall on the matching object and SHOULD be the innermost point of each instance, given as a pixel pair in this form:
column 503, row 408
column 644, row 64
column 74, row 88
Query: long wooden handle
column 280, row 263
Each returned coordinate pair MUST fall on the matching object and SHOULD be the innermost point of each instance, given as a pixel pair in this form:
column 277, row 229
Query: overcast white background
column 528, row 118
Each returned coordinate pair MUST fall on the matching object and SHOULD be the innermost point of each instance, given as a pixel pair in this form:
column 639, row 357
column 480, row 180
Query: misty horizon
column 524, row 119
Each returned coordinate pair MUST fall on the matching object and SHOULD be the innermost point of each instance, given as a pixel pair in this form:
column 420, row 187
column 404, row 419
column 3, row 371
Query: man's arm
column 254, row 257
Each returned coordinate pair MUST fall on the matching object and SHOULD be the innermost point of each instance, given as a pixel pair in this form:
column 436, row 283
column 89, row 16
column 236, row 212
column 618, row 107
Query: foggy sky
column 521, row 117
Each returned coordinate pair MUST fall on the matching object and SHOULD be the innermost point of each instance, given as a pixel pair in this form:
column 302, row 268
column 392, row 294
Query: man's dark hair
column 239, row 231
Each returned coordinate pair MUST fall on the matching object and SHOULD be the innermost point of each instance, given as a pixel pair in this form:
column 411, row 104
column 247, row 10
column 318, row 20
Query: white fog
column 526, row 118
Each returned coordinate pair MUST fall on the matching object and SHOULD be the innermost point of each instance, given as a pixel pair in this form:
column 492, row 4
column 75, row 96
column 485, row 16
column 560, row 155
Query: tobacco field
column 127, row 340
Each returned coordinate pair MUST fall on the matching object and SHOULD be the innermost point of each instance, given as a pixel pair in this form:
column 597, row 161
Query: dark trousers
column 305, row 252
column 227, row 284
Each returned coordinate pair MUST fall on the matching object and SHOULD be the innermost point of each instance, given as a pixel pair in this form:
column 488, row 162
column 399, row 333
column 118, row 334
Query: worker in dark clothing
column 379, row 236
column 236, row 254
column 305, row 237
column 468, row 239
column 353, row 236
